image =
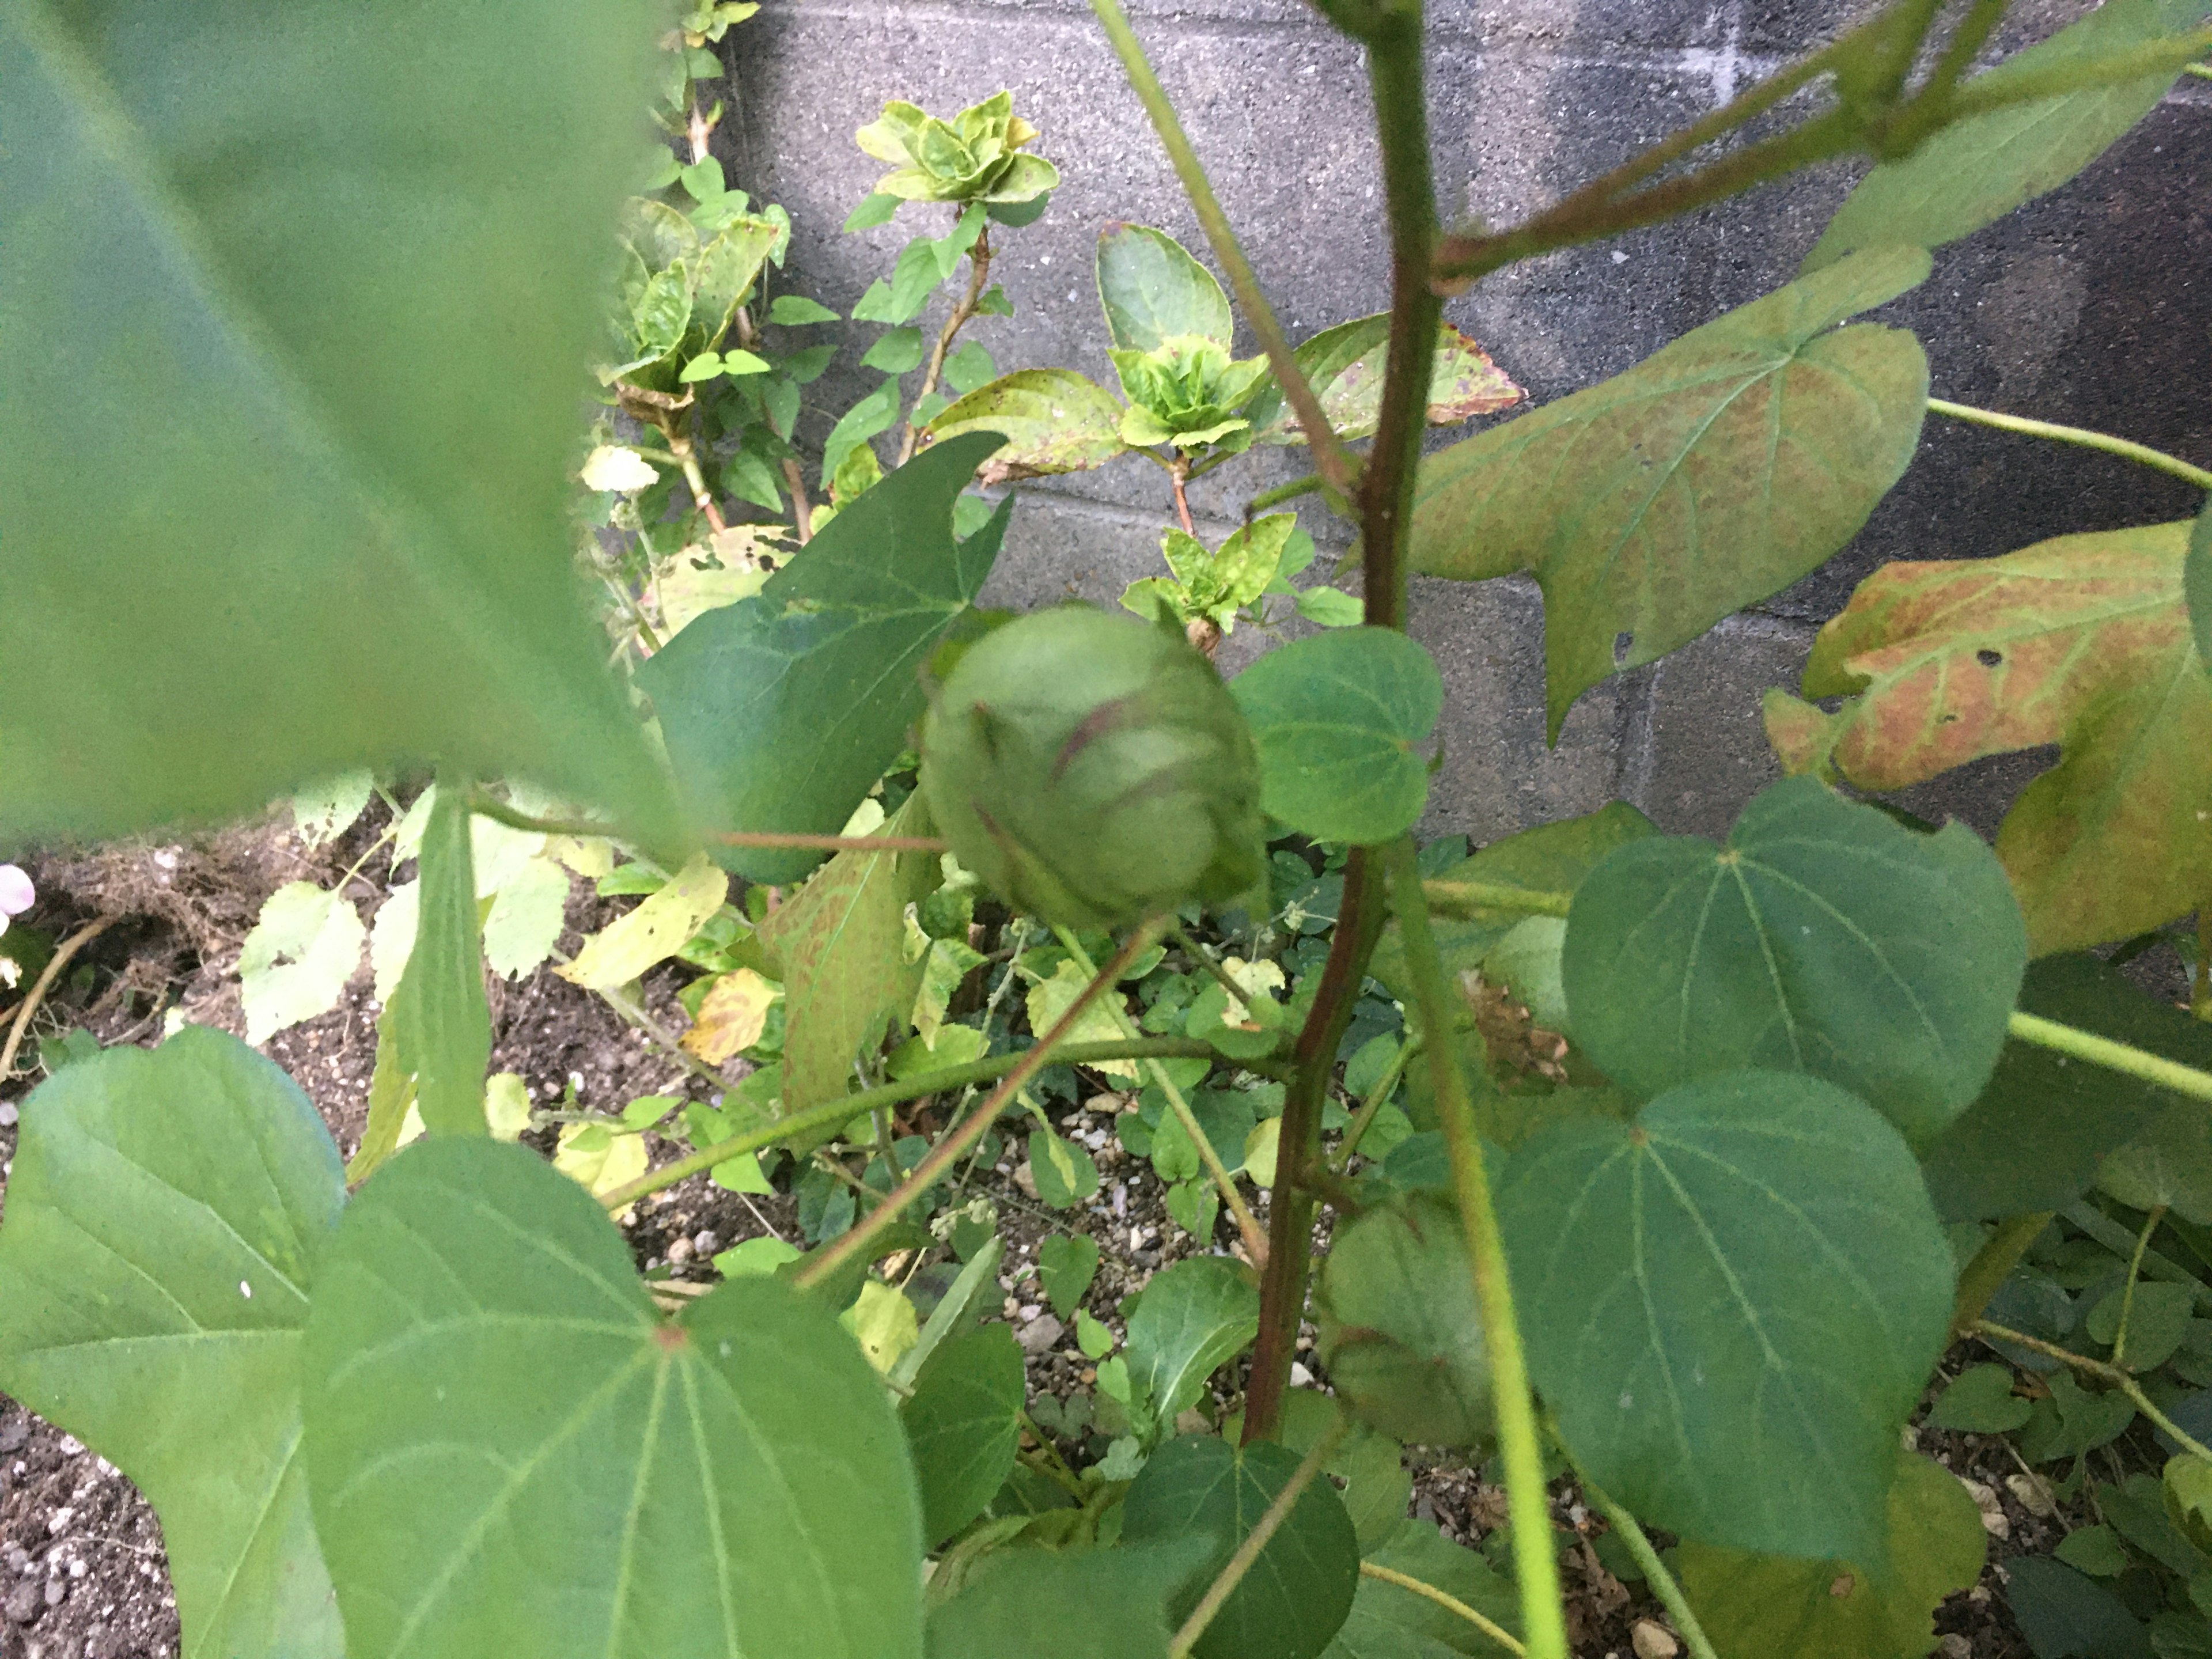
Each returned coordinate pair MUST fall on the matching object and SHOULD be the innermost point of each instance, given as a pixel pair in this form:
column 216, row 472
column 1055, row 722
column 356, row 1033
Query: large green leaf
column 1731, row 1305
column 165, row 1215
column 1711, row 475
column 965, row 1423
column 311, row 299
column 1153, row 290
column 1339, row 720
column 509, row 1451
column 782, row 710
column 1295, row 1596
column 1193, row 1318
column 1389, row 1621
column 1054, row 420
column 1760, row 1606
column 1076, row 1604
column 1825, row 937
column 2081, row 641
column 1974, row 173
column 2034, row 1138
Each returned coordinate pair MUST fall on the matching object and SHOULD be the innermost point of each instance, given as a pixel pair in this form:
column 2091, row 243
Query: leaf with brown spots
column 2083, row 641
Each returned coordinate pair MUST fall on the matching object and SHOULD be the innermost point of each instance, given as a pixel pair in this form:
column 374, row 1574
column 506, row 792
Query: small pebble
column 1300, row 1377
column 1654, row 1640
column 57, row 1591
column 707, row 1242
column 22, row 1603
column 8, row 1114
column 1028, row 1311
column 1993, row 1516
column 1041, row 1335
column 2034, row 1497
column 679, row 1251
column 1955, row 1646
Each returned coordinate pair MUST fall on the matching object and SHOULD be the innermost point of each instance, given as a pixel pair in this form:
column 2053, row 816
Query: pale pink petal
column 16, row 894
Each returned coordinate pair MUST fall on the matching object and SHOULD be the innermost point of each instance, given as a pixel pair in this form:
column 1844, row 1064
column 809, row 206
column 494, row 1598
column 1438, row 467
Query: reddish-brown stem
column 979, row 271
column 802, row 512
column 1178, row 476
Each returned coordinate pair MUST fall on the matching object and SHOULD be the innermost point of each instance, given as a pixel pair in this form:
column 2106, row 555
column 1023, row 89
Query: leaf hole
column 1988, row 658
column 1621, row 642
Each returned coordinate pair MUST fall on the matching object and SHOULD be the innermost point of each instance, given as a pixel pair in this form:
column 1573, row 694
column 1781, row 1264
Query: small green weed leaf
column 165, row 1214
column 875, row 413
column 1713, row 474
column 2167, row 1165
column 2095, row 1550
column 1048, row 1000
column 1054, row 420
column 1732, row 1304
column 296, row 962
column 527, row 916
column 2073, row 1420
column 1980, row 1400
column 2082, row 640
column 1976, row 171
column 1825, row 938
column 324, row 813
column 1196, row 1316
column 839, row 948
column 1154, row 291
column 1389, row 1621
column 2196, row 583
column 897, row 351
column 1400, row 1330
column 494, row 1406
column 2065, row 1616
column 963, row 1423
column 1760, row 1606
column 1065, row 1173
column 1067, row 1263
column 1552, row 858
column 1296, row 1596
column 297, row 380
column 656, row 930
column 796, row 311
column 1330, row 607
column 2034, row 1138
column 1340, row 719
column 782, row 710
column 439, row 1021
column 2158, row 1318
column 1072, row 1604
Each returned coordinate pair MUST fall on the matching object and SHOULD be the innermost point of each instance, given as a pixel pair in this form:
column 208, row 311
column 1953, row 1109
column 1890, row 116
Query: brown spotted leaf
column 1344, row 365
column 1054, row 420
column 2083, row 641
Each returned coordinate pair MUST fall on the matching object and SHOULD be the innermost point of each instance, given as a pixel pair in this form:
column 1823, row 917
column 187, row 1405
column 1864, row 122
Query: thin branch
column 2113, row 1056
column 489, row 806
column 1330, row 457
column 1496, row 1631
column 1270, row 1522
column 1991, row 1332
column 634, row 1015
column 1662, row 1582
column 37, row 995
column 978, row 261
column 1378, row 1098
column 2086, row 439
column 802, row 513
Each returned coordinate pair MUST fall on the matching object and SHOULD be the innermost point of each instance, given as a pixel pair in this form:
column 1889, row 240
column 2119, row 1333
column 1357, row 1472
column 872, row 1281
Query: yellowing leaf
column 689, row 586
column 883, row 1322
column 1048, row 1000
column 654, row 932
column 506, row 1106
column 611, row 466
column 732, row 1016
column 298, row 958
column 392, row 940
column 1260, row 1149
column 525, row 918
column 2083, row 641
column 598, row 1159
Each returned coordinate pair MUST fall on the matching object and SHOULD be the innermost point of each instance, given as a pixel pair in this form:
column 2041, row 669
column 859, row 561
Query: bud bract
column 1094, row 770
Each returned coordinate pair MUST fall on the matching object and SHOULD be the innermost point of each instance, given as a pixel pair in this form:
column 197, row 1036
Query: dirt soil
column 82, row 1575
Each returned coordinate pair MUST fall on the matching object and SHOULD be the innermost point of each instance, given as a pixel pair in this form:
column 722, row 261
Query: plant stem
column 2134, row 1273
column 2113, row 1056
column 1334, row 464
column 844, row 1109
column 832, row 1256
column 2203, row 71
column 1178, row 476
column 490, row 807
column 1992, row 1265
column 1536, row 1566
column 634, row 1015
column 2156, row 1265
column 2074, row 435
column 1495, row 1632
column 37, row 995
column 802, row 513
column 1662, row 1582
column 1283, row 492
column 2200, row 989
column 1269, row 1523
column 1990, row 1332
column 1248, row 1225
column 1377, row 1098
column 979, row 271
column 1458, row 898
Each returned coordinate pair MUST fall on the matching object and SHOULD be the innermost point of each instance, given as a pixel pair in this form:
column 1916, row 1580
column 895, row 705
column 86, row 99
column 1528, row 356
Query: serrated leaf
column 1825, row 938
column 1758, row 1606
column 660, row 926
column 1339, row 720
column 2082, row 640
column 1153, row 290
column 1054, row 420
column 1711, row 475
column 1195, row 1317
column 324, row 813
column 296, row 962
column 297, row 359
column 964, row 1421
column 1295, row 1597
column 782, row 711
column 526, row 916
column 1976, row 171
column 495, row 1408
column 166, row 1212
column 1732, row 1303
column 1048, row 999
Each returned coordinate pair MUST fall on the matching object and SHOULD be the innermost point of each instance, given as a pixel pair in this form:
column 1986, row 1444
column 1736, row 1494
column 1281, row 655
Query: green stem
column 1377, row 1098
column 1328, row 452
column 486, row 805
column 2157, row 1264
column 830, row 1257
column 2134, row 1273
column 1662, row 1582
column 1269, row 1523
column 1248, row 1225
column 1456, row 898
column 1990, row 1332
column 1284, row 492
column 1452, row 1604
column 831, row 1113
column 2163, row 462
column 2201, row 71
column 2113, row 1056
column 1992, row 1265
column 1536, row 1566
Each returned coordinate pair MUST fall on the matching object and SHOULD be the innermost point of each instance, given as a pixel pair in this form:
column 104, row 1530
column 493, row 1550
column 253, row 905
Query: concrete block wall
column 2093, row 306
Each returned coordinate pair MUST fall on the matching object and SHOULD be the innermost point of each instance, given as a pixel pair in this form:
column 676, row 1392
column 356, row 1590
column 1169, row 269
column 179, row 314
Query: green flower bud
column 1094, row 770
column 1400, row 1330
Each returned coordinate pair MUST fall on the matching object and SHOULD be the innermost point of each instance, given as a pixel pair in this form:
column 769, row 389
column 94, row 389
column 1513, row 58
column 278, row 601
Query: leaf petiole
column 1270, row 1522
column 2171, row 465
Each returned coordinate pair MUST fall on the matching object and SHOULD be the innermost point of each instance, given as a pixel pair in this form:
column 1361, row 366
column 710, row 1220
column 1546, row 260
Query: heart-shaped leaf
column 1389, row 1621
column 965, row 1423
column 1711, row 475
column 1153, row 290
column 322, row 337
column 1193, row 1318
column 510, row 1451
column 1825, row 938
column 1339, row 720
column 165, row 1214
column 1065, row 1604
column 1732, row 1303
